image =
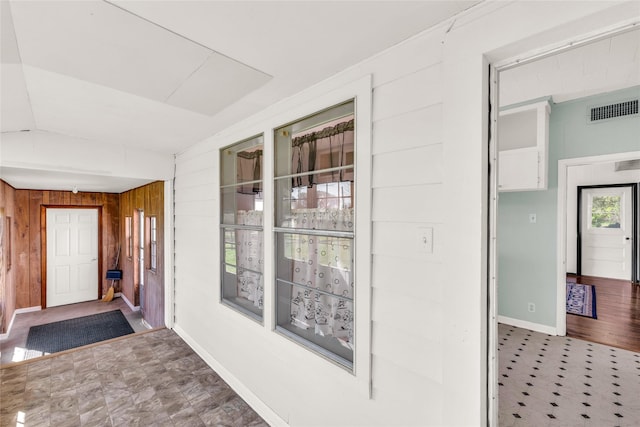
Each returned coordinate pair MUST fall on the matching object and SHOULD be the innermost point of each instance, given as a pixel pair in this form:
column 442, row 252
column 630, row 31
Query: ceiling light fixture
column 75, row 189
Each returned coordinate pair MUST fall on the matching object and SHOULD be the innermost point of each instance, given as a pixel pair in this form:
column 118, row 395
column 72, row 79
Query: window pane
column 322, row 141
column 242, row 163
column 319, row 262
column 315, row 291
column 242, row 269
column 325, row 205
column 605, row 212
column 322, row 321
column 240, row 208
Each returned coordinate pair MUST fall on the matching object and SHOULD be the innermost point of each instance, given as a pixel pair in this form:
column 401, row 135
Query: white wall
column 597, row 174
column 429, row 159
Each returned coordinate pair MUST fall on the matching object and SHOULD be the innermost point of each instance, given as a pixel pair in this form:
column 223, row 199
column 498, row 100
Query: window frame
column 224, row 228
column 128, row 235
column 325, row 346
column 303, row 105
column 153, row 243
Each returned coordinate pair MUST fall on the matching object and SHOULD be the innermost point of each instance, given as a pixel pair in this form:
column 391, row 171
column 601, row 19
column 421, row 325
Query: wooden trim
column 43, row 256
column 43, row 247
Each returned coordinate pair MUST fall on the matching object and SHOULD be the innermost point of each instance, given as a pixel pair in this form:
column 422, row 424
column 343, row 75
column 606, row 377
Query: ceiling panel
column 82, row 109
column 101, row 43
column 15, row 108
column 9, row 47
column 217, row 84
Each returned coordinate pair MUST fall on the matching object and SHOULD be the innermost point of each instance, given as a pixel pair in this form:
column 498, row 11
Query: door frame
column 634, row 222
column 43, row 247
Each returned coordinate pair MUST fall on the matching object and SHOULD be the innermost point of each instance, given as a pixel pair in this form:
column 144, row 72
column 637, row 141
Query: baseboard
column 131, row 306
column 18, row 311
column 254, row 401
column 544, row 329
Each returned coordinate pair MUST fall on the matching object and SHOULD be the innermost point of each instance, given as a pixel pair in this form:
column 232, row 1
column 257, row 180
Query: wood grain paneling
column 8, row 267
column 29, row 236
column 150, row 199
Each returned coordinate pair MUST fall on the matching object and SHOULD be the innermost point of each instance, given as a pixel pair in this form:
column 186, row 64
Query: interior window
column 241, row 228
column 314, row 232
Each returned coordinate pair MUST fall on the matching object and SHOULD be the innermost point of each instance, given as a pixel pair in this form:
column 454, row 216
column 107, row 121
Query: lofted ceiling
column 163, row 75
column 121, row 78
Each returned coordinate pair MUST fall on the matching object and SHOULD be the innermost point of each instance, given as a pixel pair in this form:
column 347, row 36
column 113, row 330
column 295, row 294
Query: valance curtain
column 324, row 149
column 249, row 171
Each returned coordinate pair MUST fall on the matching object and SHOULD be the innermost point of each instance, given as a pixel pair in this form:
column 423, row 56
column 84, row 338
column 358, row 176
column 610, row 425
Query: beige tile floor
column 144, row 379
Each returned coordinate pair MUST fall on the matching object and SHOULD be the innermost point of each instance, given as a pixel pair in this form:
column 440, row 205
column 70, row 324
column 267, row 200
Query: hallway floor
column 560, row 381
column 12, row 349
column 148, row 379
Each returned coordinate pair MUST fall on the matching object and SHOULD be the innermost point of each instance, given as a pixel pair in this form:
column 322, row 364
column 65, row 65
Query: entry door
column 606, row 232
column 72, row 256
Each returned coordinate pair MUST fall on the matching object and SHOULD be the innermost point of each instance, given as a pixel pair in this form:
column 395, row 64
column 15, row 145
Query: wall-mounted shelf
column 523, row 145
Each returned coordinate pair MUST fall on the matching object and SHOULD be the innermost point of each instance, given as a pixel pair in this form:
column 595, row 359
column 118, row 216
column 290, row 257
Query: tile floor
column 12, row 349
column 148, row 379
column 558, row 381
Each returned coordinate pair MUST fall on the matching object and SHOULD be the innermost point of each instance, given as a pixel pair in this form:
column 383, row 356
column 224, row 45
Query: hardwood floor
column 618, row 311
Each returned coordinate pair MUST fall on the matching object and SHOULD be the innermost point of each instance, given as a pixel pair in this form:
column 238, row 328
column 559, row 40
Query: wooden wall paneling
column 76, row 199
column 149, row 198
column 110, row 235
column 29, row 228
column 21, row 221
column 8, row 273
column 35, row 264
column 126, row 210
column 155, row 279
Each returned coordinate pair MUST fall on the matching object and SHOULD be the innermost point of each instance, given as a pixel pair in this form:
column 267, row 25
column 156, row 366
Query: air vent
column 628, row 165
column 611, row 111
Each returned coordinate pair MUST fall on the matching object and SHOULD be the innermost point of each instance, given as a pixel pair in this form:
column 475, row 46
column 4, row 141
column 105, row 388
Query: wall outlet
column 532, row 218
column 531, row 307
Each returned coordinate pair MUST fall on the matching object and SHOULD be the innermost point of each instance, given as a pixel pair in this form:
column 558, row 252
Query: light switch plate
column 425, row 240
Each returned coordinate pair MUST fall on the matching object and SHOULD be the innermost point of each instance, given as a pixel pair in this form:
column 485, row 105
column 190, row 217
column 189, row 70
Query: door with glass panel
column 606, row 231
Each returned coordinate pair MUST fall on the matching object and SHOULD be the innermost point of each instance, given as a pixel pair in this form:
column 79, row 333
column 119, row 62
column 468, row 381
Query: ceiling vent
column 611, row 111
column 628, row 165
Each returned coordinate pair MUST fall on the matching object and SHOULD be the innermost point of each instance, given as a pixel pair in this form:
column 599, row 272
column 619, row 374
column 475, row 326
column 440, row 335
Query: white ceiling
column 163, row 75
column 603, row 66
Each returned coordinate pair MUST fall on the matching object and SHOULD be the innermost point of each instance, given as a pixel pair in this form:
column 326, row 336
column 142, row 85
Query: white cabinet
column 523, row 145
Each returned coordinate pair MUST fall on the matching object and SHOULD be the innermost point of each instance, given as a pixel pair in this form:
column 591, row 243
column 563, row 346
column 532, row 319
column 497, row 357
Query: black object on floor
column 66, row 334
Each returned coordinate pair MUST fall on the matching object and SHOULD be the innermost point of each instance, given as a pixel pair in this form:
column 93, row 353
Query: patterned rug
column 581, row 300
column 66, row 334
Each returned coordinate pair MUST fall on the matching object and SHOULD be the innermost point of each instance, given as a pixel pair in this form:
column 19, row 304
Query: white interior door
column 72, row 256
column 606, row 232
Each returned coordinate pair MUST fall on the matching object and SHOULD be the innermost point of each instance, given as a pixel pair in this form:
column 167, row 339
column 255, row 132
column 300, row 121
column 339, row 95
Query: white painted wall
column 429, row 159
column 597, row 174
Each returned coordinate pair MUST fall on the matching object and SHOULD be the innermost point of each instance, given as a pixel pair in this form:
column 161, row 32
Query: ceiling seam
column 110, row 2
column 26, row 86
column 188, row 77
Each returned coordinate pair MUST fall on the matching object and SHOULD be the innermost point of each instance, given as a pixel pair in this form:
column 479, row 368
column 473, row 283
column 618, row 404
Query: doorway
column 606, row 231
column 72, row 270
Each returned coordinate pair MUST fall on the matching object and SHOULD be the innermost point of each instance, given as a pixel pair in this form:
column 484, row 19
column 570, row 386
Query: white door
column 72, row 256
column 606, row 232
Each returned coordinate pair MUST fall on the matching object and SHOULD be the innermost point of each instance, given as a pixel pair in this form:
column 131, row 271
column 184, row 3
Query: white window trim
column 313, row 101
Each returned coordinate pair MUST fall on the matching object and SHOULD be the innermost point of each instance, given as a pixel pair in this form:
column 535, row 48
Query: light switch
column 425, row 240
column 532, row 218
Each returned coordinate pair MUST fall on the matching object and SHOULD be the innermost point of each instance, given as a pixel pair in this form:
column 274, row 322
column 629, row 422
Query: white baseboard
column 254, row 401
column 131, row 306
column 544, row 329
column 18, row 311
